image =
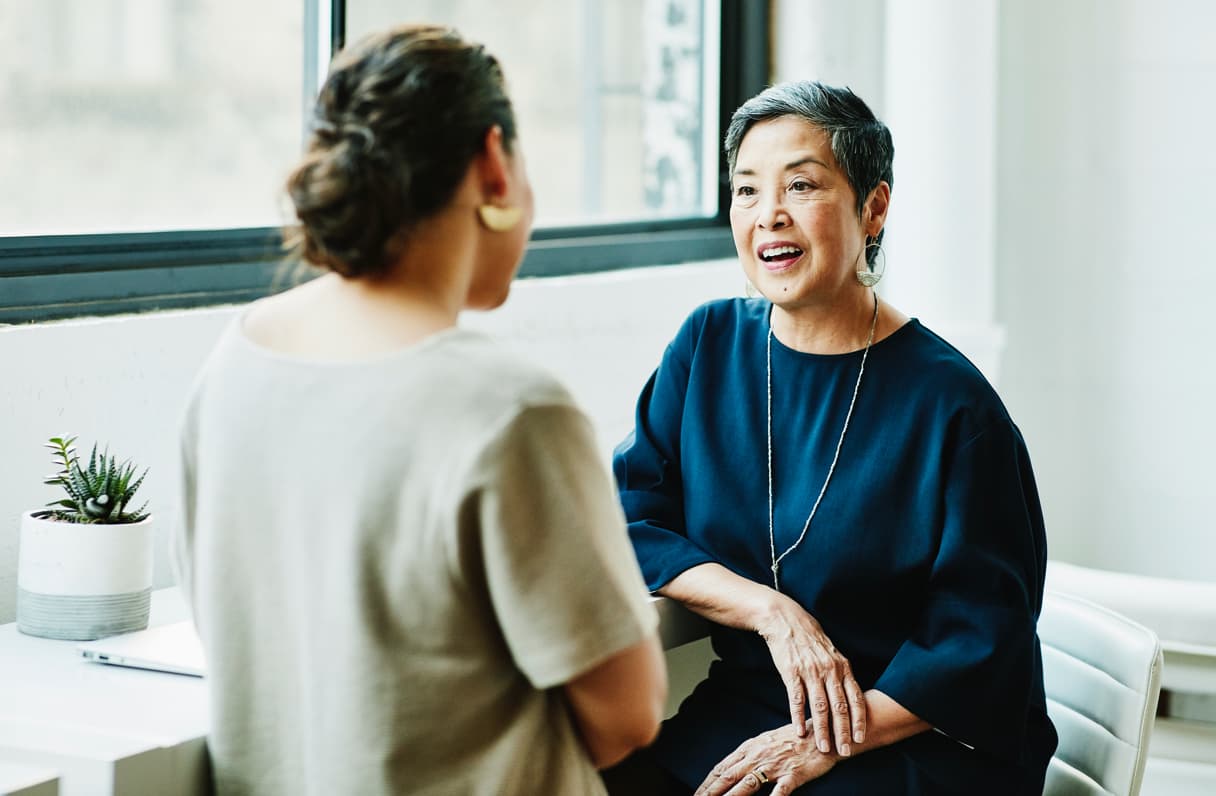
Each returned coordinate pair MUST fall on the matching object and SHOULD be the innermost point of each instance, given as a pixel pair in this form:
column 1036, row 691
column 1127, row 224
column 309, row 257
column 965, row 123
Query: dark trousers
column 640, row 775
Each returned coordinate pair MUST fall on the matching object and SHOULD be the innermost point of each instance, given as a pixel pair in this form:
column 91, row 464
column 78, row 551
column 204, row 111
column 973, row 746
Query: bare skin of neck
column 346, row 319
column 836, row 327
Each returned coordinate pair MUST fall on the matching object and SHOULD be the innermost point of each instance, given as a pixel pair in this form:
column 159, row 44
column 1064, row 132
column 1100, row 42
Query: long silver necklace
column 772, row 542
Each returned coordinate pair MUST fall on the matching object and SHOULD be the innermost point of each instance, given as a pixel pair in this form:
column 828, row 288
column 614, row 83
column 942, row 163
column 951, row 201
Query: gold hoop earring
column 875, row 265
column 499, row 219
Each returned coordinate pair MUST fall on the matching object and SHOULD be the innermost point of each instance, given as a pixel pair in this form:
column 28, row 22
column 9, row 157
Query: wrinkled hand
column 815, row 674
column 780, row 756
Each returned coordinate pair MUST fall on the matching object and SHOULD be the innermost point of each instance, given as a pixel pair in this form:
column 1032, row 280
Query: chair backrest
column 1102, row 673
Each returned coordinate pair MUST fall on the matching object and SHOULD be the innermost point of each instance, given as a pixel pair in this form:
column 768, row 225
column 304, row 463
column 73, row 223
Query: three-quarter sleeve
column 970, row 663
column 648, row 472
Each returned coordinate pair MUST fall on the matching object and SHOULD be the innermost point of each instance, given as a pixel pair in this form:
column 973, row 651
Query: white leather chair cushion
column 1181, row 612
column 1102, row 673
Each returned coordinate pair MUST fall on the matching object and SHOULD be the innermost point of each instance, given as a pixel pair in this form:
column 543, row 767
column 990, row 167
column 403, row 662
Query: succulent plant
column 98, row 493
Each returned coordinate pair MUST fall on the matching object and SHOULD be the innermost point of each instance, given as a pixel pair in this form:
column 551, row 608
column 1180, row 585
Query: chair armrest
column 677, row 624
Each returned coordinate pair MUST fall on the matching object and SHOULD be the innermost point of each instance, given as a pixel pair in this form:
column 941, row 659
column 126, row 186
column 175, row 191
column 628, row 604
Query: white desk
column 103, row 729
column 109, row 730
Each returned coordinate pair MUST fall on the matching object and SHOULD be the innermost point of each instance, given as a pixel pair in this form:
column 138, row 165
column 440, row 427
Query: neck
column 387, row 303
column 838, row 328
column 432, row 274
column 422, row 293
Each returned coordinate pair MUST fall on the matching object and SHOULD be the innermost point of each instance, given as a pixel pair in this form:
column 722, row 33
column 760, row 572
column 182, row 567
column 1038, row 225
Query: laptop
column 171, row 648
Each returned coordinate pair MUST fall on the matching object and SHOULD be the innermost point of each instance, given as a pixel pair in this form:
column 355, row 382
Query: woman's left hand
column 779, row 756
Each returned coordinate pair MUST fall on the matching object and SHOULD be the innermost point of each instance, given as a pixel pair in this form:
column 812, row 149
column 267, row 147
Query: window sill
column 51, row 278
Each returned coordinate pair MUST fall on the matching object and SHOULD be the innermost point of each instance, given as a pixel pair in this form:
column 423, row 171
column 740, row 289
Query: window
column 616, row 108
column 145, row 142
column 148, row 115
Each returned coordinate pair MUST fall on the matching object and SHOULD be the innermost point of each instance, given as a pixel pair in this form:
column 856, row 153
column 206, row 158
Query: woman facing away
column 844, row 495
column 404, row 557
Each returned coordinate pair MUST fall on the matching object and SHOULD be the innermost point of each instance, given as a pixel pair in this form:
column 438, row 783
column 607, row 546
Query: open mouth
column 782, row 253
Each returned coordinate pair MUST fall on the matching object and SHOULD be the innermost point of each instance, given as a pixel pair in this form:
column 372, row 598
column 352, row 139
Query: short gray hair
column 861, row 143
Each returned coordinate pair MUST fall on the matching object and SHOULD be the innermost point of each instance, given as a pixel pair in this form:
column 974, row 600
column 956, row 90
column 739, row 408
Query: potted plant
column 84, row 566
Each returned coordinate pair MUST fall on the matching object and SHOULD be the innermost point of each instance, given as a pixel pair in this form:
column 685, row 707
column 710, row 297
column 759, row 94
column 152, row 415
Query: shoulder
column 491, row 379
column 938, row 375
column 721, row 320
column 223, row 358
column 727, row 313
column 493, row 399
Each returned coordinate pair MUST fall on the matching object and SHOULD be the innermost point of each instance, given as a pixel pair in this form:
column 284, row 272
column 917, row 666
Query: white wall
column 124, row 380
column 1106, row 273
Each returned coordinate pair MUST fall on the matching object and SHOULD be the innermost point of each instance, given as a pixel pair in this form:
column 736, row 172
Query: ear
column 874, row 213
column 493, row 166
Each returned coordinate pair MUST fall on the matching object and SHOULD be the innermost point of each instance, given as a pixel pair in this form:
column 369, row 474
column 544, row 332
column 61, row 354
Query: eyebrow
column 789, row 166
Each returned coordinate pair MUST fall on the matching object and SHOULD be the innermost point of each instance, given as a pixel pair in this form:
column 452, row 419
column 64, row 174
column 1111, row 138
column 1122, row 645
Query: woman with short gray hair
column 845, row 497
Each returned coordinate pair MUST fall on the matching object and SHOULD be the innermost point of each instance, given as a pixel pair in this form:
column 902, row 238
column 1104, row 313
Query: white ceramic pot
column 83, row 581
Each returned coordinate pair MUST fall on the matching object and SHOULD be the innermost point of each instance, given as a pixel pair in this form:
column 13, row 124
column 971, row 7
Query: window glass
column 616, row 99
column 141, row 115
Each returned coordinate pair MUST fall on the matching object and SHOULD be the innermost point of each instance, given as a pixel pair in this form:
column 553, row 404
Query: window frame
column 50, row 277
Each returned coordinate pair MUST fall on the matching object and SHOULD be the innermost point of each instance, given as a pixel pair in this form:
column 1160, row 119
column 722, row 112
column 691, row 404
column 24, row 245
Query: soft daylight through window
column 144, row 115
column 618, row 120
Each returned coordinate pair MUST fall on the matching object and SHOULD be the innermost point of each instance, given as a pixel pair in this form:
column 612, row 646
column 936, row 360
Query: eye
column 745, row 190
column 801, row 186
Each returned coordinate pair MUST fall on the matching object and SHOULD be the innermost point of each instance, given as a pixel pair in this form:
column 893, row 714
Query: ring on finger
column 760, row 776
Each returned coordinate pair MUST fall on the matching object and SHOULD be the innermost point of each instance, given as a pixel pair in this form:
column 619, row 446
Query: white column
column 839, row 42
column 940, row 97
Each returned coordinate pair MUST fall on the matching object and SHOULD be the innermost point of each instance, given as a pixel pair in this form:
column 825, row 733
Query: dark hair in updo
column 399, row 119
column 861, row 143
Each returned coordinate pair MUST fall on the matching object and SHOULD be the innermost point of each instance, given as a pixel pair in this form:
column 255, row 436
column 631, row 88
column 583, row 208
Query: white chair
column 1102, row 673
column 1182, row 756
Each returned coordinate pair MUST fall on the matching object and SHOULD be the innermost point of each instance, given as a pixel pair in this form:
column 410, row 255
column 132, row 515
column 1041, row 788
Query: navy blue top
column 924, row 563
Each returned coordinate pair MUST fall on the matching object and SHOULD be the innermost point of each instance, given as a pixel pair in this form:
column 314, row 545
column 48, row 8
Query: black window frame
column 50, row 277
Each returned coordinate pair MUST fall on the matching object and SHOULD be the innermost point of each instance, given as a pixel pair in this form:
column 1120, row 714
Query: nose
column 771, row 213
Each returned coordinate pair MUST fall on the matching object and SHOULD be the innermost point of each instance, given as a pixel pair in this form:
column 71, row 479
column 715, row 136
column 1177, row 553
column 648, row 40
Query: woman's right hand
column 814, row 671
column 816, row 676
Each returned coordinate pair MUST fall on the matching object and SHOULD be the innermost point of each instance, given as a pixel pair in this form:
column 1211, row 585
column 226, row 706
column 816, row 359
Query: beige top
column 392, row 563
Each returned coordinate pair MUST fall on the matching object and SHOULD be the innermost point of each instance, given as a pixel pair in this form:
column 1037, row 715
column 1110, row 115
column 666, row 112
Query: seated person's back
column 399, row 539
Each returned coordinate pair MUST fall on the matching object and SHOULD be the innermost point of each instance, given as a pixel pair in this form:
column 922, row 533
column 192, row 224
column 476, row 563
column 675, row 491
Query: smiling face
column 794, row 215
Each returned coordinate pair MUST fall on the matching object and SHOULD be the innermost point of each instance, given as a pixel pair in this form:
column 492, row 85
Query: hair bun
column 400, row 117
